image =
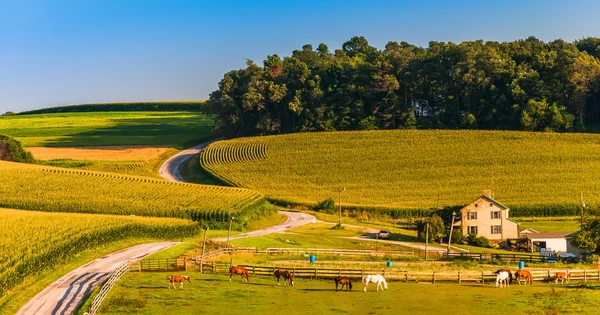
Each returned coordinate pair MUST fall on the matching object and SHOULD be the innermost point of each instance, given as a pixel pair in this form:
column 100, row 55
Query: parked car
column 568, row 258
column 383, row 234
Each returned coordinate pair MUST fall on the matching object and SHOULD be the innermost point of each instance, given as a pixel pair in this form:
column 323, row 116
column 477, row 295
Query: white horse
column 501, row 278
column 379, row 279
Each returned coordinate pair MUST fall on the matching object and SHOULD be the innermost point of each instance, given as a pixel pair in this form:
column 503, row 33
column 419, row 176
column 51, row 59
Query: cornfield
column 36, row 241
column 43, row 188
column 533, row 173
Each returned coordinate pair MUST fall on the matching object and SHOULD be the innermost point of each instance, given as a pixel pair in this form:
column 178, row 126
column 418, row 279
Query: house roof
column 490, row 199
column 547, row 235
column 528, row 231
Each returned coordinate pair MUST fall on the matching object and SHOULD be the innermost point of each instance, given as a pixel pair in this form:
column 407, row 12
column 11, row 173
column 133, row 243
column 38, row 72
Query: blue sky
column 65, row 52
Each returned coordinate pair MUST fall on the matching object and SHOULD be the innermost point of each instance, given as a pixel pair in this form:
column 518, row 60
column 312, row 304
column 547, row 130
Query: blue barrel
column 313, row 258
column 389, row 264
column 521, row 264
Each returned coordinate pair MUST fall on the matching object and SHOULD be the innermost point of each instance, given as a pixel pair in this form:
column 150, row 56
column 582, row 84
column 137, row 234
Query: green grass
column 192, row 172
column 415, row 169
column 147, row 293
column 551, row 226
column 107, row 128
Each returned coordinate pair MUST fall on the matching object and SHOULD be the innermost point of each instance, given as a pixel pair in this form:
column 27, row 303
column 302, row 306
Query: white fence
column 121, row 269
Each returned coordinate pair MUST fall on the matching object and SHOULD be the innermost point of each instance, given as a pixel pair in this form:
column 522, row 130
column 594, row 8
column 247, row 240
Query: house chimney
column 487, row 192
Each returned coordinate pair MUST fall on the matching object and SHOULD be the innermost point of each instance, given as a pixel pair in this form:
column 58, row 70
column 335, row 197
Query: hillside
column 43, row 188
column 120, row 107
column 107, row 128
column 534, row 173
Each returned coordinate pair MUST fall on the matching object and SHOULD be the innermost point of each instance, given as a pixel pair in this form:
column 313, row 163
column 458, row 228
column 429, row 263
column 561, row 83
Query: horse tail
column 511, row 277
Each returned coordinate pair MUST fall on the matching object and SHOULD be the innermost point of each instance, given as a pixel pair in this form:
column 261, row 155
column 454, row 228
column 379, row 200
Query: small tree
column 436, row 227
column 327, row 205
column 12, row 150
column 589, row 236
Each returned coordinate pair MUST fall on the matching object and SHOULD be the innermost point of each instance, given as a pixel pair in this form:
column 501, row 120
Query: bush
column 327, row 205
column 12, row 150
column 480, row 241
column 457, row 236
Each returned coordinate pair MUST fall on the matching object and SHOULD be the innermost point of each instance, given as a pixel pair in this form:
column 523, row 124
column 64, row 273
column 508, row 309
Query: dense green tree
column 436, row 227
column 525, row 84
column 589, row 236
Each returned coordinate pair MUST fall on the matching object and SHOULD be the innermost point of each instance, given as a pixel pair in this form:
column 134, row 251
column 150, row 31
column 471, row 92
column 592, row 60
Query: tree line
column 520, row 85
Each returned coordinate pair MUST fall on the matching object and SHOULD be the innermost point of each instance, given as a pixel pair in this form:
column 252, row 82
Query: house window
column 471, row 215
column 495, row 214
column 496, row 229
column 472, row 229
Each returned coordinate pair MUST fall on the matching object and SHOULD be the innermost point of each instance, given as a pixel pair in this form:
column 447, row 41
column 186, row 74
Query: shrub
column 327, row 205
column 12, row 150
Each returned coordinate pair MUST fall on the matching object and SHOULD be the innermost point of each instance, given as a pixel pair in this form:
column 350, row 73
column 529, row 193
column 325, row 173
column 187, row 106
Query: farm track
column 170, row 168
column 63, row 296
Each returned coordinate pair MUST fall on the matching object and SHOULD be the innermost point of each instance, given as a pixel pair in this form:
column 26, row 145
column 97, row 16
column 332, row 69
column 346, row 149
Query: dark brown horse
column 522, row 273
column 239, row 270
column 287, row 276
column 344, row 281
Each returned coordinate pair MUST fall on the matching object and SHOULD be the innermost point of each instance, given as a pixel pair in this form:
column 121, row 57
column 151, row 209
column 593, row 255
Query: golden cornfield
column 34, row 187
column 34, row 241
column 414, row 169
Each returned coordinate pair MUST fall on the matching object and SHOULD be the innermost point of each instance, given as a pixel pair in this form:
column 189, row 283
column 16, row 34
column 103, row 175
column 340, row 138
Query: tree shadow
column 180, row 132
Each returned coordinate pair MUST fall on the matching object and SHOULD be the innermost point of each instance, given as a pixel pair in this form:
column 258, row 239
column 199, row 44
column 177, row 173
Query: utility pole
column 340, row 214
column 229, row 232
column 427, row 240
column 581, row 206
column 204, row 241
column 450, row 236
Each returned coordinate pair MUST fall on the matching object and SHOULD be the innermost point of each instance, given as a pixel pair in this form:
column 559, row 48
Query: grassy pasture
column 107, row 128
column 147, row 293
column 35, row 187
column 415, row 169
column 35, row 241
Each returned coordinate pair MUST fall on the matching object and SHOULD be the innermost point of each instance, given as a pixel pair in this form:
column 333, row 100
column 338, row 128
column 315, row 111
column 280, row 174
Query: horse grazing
column 502, row 277
column 562, row 276
column 344, row 281
column 287, row 276
column 178, row 279
column 239, row 270
column 522, row 273
column 379, row 279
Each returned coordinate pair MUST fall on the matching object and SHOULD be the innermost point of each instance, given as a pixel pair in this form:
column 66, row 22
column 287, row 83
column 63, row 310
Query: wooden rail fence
column 121, row 270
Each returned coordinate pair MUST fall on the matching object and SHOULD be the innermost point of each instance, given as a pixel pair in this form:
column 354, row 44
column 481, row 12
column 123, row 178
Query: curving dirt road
column 63, row 296
column 295, row 219
column 170, row 168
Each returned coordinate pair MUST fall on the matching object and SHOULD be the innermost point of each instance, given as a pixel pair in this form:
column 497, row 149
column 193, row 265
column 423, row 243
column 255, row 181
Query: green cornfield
column 36, row 241
column 407, row 170
column 44, row 188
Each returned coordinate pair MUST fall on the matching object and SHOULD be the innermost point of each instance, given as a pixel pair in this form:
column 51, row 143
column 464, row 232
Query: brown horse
column 178, row 279
column 344, row 281
column 562, row 276
column 239, row 270
column 287, row 276
column 522, row 273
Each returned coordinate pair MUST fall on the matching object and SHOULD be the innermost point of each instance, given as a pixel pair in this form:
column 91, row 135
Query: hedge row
column 121, row 107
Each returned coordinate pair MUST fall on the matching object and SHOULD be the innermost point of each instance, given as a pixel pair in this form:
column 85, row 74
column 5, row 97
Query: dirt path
column 63, row 296
column 294, row 220
column 170, row 168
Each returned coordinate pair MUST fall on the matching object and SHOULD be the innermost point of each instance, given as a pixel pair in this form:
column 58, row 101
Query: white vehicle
column 383, row 234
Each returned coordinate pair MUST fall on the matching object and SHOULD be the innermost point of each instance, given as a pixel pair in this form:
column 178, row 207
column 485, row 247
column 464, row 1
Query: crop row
column 36, row 241
column 533, row 173
column 43, row 188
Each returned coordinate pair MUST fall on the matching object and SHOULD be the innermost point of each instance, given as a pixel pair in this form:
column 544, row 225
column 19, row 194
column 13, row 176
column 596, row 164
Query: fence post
column 201, row 263
column 140, row 266
column 433, row 278
column 459, row 277
column 362, row 274
column 482, row 278
column 293, row 272
column 584, row 277
column 384, row 273
column 548, row 275
column 340, row 272
column 406, row 276
column 315, row 273
column 214, row 269
column 185, row 264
